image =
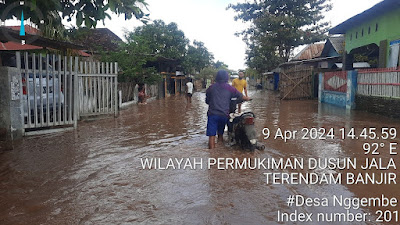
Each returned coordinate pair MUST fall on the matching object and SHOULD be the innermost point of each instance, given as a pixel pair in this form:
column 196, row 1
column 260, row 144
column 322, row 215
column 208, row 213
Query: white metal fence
column 379, row 83
column 97, row 88
column 55, row 94
column 47, row 89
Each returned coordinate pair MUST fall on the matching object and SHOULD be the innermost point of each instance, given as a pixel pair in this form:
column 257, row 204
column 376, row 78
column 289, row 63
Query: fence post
column 11, row 110
column 320, row 87
column 120, row 99
column 76, row 93
column 116, row 90
column 351, row 89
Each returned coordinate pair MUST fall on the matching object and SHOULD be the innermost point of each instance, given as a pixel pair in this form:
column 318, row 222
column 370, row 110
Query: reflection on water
column 93, row 175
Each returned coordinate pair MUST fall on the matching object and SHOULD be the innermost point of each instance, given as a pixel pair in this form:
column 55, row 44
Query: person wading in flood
column 142, row 94
column 189, row 90
column 218, row 98
column 240, row 84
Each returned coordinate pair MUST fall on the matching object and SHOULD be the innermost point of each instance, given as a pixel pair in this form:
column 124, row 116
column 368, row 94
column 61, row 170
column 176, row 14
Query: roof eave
column 310, row 61
column 37, row 40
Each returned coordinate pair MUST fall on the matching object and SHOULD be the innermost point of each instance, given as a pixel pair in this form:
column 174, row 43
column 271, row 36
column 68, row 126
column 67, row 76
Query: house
column 373, row 35
column 11, row 41
column 96, row 40
column 270, row 80
column 334, row 47
column 317, row 55
column 298, row 78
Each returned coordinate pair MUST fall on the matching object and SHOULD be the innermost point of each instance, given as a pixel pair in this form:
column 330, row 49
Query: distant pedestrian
column 189, row 90
column 240, row 84
column 218, row 98
column 142, row 94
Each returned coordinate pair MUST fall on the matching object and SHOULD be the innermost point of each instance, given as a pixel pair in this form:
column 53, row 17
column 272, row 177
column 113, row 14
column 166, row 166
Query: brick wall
column 380, row 105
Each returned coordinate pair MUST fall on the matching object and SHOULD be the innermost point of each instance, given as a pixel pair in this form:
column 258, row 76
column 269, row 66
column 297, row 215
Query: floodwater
column 94, row 175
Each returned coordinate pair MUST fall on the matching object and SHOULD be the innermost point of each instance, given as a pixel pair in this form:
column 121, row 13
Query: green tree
column 262, row 57
column 207, row 73
column 220, row 65
column 87, row 12
column 164, row 40
column 252, row 73
column 145, row 44
column 197, row 57
column 278, row 26
column 132, row 57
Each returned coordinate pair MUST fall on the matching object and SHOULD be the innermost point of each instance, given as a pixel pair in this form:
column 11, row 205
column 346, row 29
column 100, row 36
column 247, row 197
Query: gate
column 97, row 88
column 47, row 90
column 54, row 94
column 296, row 84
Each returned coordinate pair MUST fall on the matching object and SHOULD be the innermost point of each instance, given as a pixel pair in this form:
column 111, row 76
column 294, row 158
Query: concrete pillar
column 351, row 89
column 136, row 93
column 175, row 86
column 119, row 99
column 383, row 45
column 11, row 112
column 320, row 87
column 165, row 87
column 348, row 60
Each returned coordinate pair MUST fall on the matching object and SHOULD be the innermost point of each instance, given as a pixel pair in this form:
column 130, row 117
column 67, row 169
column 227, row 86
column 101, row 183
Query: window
column 369, row 30
column 356, row 34
column 351, row 37
column 376, row 27
column 362, row 32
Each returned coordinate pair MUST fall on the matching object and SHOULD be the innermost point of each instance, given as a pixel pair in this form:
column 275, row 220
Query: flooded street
column 94, row 175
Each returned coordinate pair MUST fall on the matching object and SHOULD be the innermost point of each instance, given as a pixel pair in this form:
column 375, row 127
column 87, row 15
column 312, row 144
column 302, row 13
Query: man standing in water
column 142, row 94
column 189, row 90
column 240, row 84
column 218, row 98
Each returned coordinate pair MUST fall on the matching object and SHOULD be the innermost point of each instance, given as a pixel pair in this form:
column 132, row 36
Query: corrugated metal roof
column 337, row 43
column 310, row 52
column 357, row 65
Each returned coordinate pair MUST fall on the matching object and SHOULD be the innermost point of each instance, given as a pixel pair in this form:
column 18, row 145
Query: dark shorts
column 141, row 98
column 216, row 125
column 189, row 94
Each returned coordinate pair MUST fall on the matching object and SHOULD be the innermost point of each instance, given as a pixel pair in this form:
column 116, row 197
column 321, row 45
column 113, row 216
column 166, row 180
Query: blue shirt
column 218, row 98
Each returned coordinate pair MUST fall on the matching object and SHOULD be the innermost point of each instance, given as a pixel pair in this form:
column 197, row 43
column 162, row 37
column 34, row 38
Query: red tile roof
column 81, row 53
column 28, row 29
column 14, row 46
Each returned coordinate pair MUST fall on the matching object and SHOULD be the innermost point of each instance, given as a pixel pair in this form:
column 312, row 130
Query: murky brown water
column 93, row 175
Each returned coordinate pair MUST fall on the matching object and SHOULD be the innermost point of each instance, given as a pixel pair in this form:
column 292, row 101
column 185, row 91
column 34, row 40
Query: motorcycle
column 241, row 130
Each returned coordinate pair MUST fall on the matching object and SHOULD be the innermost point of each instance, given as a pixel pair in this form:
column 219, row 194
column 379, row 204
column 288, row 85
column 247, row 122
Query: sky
column 208, row 21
